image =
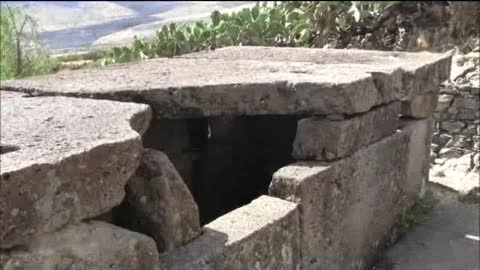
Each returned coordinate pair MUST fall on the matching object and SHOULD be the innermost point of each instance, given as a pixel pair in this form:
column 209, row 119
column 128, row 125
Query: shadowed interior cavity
column 225, row 161
column 7, row 148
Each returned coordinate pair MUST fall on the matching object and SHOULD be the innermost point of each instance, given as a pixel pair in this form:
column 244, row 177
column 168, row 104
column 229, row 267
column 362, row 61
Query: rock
column 418, row 156
column 160, row 204
column 441, row 139
column 449, row 153
column 255, row 81
column 90, row 245
column 435, row 147
column 476, row 161
column 435, row 135
column 261, row 235
column 347, row 206
column 452, row 127
column 67, row 159
column 476, row 142
column 470, row 130
column 464, row 87
column 456, row 173
column 444, row 138
column 444, row 102
column 433, row 156
column 459, row 141
column 475, row 91
column 465, row 108
column 322, row 139
column 449, row 89
column 421, row 106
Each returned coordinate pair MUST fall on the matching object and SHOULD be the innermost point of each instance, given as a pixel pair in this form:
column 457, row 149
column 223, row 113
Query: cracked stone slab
column 249, row 82
column 91, row 245
column 64, row 160
column 261, row 235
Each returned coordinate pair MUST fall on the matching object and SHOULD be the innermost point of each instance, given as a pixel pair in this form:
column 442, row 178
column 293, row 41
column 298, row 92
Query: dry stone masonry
column 238, row 158
column 456, row 137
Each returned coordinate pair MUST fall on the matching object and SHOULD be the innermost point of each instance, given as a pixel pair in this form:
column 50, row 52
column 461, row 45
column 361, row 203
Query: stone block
column 160, row 204
column 420, row 73
column 65, row 160
column 261, row 235
column 347, row 207
column 457, row 172
column 255, row 81
column 91, row 245
column 418, row 156
column 322, row 139
column 452, row 126
column 421, row 106
column 444, row 102
column 465, row 108
column 459, row 141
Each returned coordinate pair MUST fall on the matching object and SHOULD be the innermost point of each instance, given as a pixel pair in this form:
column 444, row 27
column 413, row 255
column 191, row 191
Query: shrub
column 22, row 54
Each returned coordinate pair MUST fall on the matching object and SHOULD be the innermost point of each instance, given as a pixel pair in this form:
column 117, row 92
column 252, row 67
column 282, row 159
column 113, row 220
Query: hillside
column 68, row 26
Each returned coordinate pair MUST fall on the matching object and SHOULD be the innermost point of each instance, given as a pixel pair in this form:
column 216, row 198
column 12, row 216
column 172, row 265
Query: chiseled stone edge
column 261, row 235
column 349, row 193
column 324, row 139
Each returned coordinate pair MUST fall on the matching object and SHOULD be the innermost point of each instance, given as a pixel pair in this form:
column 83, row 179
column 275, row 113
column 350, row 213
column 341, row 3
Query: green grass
column 417, row 213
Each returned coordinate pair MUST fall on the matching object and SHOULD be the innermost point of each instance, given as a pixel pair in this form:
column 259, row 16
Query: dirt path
column 447, row 240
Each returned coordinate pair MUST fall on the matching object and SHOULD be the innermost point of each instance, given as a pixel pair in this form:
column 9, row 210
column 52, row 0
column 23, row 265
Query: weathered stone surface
column 460, row 66
column 261, row 81
column 348, row 206
column 421, row 72
column 452, row 127
column 421, row 106
column 444, row 102
column 461, row 174
column 66, row 159
column 465, row 108
column 447, row 153
column 418, row 156
column 261, row 235
column 160, row 204
column 459, row 141
column 441, row 139
column 322, row 139
column 92, row 245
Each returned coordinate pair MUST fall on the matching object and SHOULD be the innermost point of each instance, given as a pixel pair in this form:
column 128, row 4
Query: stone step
column 260, row 235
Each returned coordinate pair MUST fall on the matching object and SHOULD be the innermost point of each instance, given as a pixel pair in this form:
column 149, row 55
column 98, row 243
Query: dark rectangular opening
column 225, row 161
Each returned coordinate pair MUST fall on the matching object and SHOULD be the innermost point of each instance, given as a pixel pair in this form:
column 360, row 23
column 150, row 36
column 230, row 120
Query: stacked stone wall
column 455, row 154
column 116, row 178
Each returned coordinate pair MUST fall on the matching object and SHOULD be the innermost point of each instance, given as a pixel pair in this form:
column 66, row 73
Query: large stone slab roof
column 252, row 81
